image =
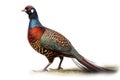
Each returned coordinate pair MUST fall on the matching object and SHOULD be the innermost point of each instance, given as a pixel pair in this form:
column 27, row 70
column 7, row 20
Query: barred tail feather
column 86, row 66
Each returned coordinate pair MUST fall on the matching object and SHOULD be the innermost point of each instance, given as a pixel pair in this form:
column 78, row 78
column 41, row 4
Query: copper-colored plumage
column 35, row 33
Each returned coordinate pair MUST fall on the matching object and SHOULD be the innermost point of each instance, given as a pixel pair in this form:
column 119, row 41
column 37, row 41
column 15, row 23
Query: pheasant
column 53, row 44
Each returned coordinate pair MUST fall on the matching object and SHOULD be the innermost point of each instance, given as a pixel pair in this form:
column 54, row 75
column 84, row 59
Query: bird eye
column 32, row 10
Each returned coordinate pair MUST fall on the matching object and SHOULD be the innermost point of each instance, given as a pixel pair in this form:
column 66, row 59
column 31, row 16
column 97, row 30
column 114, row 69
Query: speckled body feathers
column 48, row 42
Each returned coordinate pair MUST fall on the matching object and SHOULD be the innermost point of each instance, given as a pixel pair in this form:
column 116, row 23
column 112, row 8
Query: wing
column 54, row 41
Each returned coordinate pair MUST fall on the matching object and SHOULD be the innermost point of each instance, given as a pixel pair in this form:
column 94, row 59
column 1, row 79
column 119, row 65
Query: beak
column 24, row 10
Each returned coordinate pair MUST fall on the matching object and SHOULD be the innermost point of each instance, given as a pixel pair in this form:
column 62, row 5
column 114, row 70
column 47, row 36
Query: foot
column 40, row 70
column 59, row 68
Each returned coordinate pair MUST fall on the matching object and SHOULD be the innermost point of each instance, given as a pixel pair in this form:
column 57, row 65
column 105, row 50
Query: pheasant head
column 31, row 11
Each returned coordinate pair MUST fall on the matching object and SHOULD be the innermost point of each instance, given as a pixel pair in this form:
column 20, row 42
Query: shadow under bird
column 53, row 44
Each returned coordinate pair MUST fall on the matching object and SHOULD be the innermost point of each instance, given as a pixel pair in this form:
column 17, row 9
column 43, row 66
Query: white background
column 92, row 26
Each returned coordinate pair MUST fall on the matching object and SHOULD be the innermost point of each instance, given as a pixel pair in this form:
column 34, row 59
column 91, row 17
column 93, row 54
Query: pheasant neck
column 34, row 23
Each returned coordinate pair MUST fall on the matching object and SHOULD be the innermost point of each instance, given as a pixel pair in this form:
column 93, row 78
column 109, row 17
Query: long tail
column 88, row 66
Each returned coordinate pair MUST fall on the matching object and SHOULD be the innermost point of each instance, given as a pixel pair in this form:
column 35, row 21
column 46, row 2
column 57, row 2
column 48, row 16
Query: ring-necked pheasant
column 52, row 44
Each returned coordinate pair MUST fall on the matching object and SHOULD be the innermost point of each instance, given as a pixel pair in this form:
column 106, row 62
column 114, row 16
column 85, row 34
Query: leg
column 50, row 59
column 61, row 59
column 45, row 69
